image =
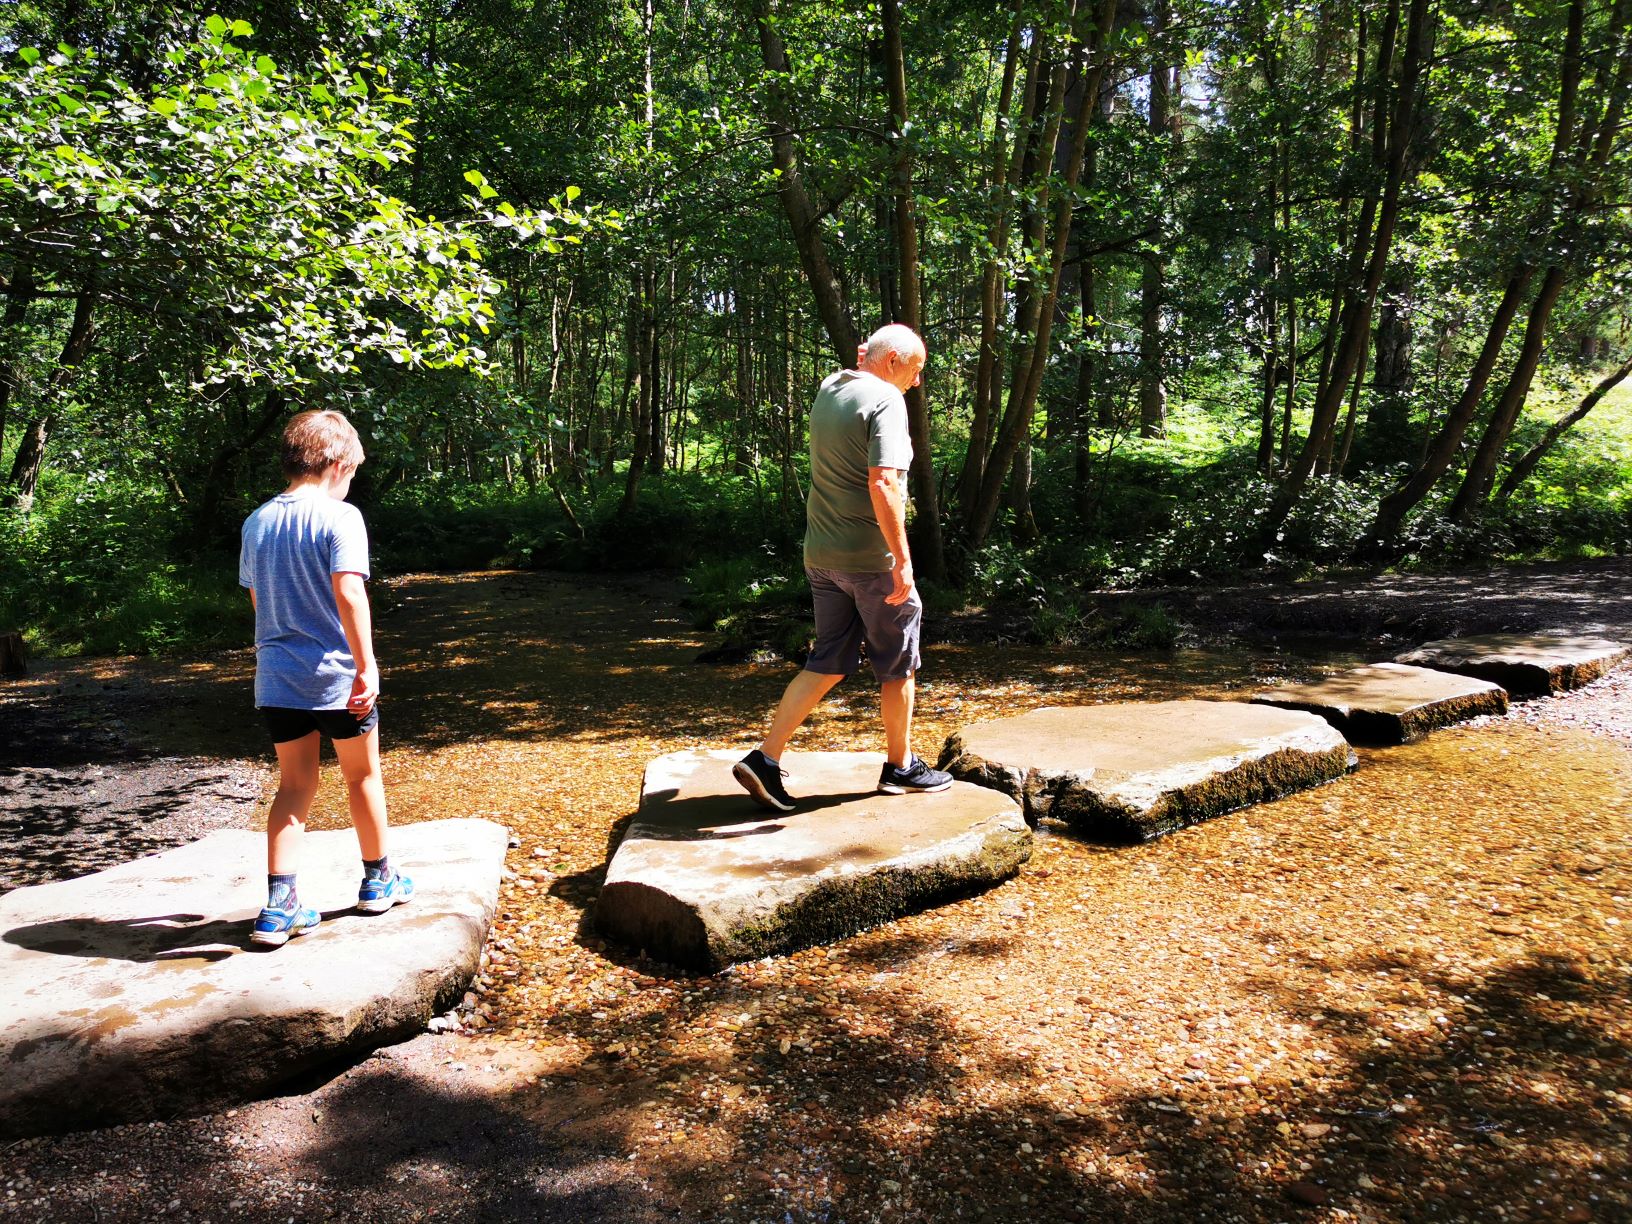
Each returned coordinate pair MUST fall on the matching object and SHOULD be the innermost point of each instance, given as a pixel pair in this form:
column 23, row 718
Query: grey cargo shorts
column 850, row 610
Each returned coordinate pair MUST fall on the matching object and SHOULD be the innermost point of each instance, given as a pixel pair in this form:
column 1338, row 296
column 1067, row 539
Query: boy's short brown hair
column 313, row 440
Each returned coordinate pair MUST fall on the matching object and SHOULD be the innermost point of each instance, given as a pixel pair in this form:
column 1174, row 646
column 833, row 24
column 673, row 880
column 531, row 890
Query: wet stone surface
column 1131, row 771
column 705, row 877
column 1525, row 664
column 1405, row 991
column 1390, row 703
column 135, row 992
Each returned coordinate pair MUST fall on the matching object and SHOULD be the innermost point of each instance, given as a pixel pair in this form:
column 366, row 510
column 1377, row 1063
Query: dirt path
column 1400, row 997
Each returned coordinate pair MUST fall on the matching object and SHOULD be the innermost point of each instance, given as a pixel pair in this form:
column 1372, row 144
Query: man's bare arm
column 887, row 488
column 351, row 599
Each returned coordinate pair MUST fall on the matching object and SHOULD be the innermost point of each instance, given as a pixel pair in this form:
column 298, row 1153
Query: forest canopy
column 1207, row 288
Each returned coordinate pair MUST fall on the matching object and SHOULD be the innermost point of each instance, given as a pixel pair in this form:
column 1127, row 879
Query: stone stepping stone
column 1525, row 664
column 135, row 993
column 1390, row 703
column 705, row 877
column 1133, row 771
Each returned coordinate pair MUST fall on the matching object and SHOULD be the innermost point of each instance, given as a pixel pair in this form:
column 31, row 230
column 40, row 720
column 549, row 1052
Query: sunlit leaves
column 242, row 201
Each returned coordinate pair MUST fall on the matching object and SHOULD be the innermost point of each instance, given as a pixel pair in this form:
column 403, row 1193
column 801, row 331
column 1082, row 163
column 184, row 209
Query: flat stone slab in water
column 1390, row 703
column 1133, row 771
column 1525, row 664
column 135, row 993
column 705, row 877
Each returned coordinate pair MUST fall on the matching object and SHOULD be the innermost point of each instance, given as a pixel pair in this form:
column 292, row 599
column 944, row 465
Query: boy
column 304, row 560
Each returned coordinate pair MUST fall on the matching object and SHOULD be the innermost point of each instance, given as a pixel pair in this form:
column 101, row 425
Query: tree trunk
column 831, row 306
column 1354, row 331
column 1482, row 469
column 1036, row 328
column 1592, row 145
column 928, row 553
column 1521, row 470
column 25, row 466
column 19, row 293
column 1354, row 414
column 1393, row 508
column 643, row 323
column 989, row 362
column 1153, row 273
column 1271, row 362
column 1387, row 436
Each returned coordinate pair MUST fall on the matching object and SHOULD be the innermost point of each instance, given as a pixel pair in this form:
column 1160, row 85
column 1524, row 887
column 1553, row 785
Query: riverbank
column 1401, row 996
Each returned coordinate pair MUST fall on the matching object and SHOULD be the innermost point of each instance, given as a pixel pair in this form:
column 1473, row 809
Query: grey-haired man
column 857, row 561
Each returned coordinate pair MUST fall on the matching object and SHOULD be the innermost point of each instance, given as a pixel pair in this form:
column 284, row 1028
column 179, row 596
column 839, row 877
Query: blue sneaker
column 377, row 895
column 274, row 926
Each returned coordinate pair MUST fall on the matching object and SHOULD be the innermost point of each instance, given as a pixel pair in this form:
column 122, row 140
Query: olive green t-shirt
column 859, row 421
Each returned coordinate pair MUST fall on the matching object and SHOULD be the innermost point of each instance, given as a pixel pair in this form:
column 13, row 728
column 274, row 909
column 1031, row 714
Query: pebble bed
column 1401, row 996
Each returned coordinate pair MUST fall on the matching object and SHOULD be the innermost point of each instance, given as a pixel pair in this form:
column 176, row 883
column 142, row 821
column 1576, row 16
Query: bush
column 100, row 567
column 754, row 602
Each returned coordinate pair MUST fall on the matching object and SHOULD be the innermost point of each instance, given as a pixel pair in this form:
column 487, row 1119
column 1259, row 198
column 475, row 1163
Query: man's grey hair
column 894, row 338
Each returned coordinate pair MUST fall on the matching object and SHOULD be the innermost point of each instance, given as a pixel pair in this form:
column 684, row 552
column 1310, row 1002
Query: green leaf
column 215, row 24
column 242, row 28
column 28, row 55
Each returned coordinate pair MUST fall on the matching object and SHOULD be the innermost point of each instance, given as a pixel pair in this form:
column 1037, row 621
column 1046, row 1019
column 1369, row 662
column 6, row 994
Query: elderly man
column 857, row 561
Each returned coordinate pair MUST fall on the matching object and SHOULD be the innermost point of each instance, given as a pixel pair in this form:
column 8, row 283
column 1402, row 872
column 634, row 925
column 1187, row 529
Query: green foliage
column 94, row 571
column 753, row 601
column 240, row 200
column 371, row 210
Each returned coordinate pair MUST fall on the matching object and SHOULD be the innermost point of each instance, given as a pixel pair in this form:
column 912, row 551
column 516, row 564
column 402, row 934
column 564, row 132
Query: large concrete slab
column 1390, row 703
column 1525, row 664
column 1133, row 771
column 134, row 993
column 704, row 878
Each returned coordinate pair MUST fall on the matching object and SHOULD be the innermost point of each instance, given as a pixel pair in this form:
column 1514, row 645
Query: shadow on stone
column 135, row 939
column 700, row 881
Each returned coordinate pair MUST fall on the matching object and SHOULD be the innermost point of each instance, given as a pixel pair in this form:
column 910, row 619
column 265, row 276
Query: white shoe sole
column 383, row 904
column 891, row 788
column 276, row 939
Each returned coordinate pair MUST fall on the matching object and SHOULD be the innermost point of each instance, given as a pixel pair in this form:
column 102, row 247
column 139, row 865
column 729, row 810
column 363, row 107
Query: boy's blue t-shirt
column 292, row 546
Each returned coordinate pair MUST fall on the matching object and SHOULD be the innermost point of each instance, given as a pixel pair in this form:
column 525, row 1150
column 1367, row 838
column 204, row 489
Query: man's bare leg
column 895, row 703
column 803, row 694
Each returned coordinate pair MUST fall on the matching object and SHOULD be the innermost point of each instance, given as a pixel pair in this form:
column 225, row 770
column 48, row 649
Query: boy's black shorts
column 286, row 724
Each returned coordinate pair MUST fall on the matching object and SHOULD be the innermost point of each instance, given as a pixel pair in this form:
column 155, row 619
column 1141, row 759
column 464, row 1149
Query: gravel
column 1401, row 996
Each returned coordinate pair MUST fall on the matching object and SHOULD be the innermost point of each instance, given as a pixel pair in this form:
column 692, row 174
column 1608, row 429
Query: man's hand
column 861, row 354
column 902, row 591
column 365, row 691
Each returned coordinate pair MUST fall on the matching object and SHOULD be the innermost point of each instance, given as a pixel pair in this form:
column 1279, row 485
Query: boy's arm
column 351, row 598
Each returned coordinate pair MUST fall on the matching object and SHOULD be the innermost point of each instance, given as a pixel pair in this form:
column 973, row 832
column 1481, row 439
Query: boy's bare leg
column 895, row 704
column 803, row 694
column 365, row 791
column 297, row 787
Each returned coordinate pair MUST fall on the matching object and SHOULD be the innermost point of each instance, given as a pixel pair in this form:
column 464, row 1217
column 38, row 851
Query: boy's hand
column 365, row 691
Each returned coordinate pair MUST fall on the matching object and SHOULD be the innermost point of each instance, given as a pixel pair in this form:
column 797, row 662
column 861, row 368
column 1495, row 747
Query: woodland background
column 1209, row 288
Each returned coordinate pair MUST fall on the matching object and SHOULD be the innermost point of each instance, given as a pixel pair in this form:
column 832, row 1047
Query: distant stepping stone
column 704, row 877
column 1390, row 703
column 1133, row 771
column 1525, row 664
column 133, row 993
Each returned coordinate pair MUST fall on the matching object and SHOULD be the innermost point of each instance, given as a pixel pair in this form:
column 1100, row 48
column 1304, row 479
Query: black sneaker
column 762, row 778
column 915, row 777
